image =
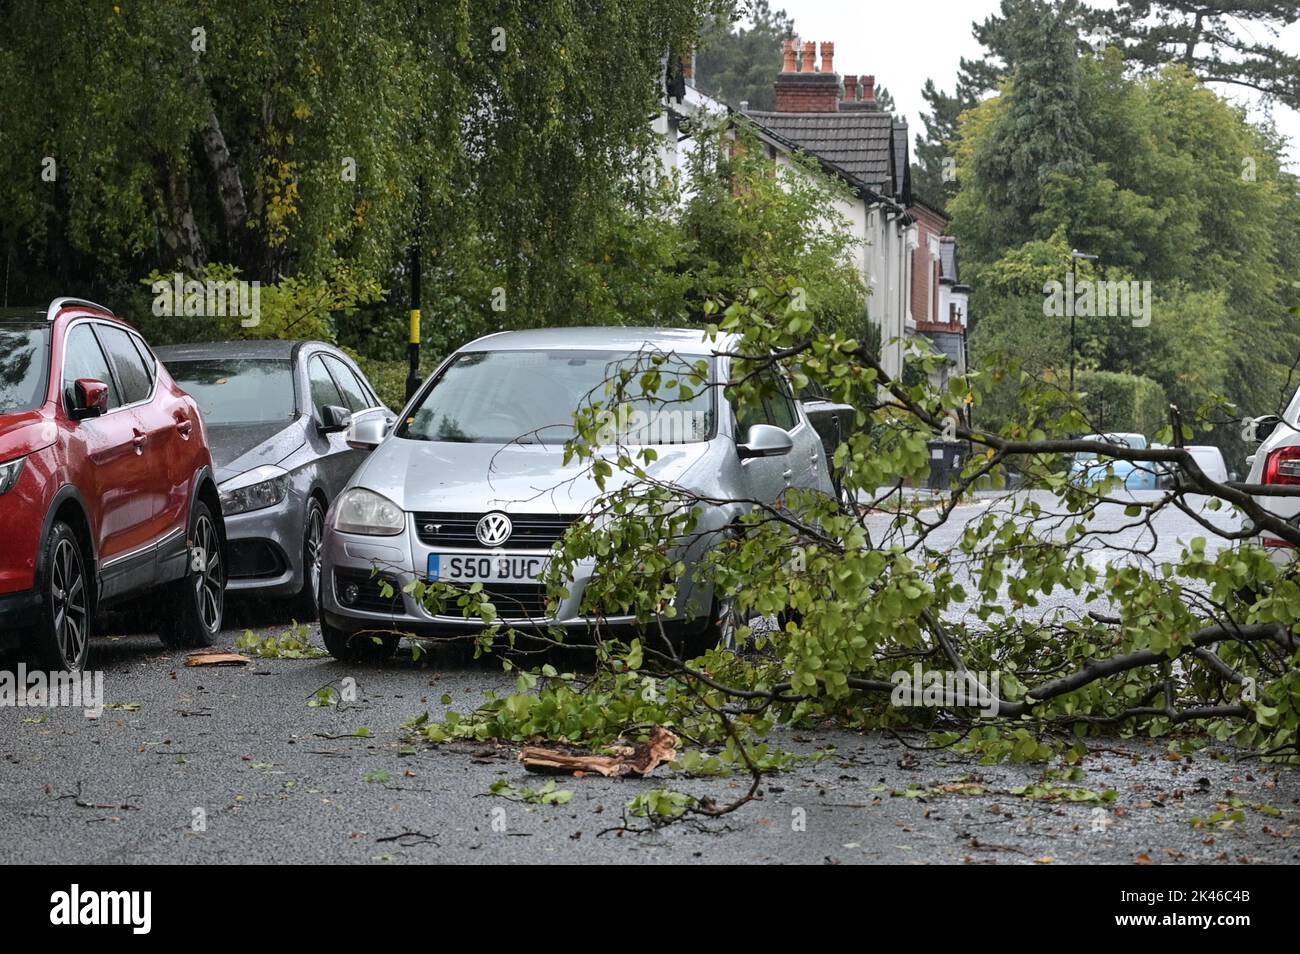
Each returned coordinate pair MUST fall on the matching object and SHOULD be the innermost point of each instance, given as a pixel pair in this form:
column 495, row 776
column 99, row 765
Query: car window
column 147, row 356
column 24, row 355
column 324, row 392
column 238, row 390
column 83, row 358
column 353, row 393
column 754, row 414
column 777, row 409
column 132, row 374
column 781, row 409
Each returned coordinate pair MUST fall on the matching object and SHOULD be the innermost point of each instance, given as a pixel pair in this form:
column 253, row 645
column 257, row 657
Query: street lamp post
column 1075, row 255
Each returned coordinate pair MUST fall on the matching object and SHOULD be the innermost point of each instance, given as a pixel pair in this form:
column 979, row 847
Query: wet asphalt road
column 212, row 765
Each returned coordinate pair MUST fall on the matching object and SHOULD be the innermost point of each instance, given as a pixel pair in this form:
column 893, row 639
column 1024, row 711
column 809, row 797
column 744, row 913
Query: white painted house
column 853, row 139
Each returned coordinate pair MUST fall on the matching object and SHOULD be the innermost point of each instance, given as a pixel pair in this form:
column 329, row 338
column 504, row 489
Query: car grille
column 369, row 595
column 513, row 601
column 531, row 531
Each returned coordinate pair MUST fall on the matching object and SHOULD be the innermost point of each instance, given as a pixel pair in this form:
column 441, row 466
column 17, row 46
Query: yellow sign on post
column 415, row 326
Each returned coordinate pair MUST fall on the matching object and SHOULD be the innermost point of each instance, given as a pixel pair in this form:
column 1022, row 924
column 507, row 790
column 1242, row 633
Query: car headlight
column 9, row 472
column 363, row 511
column 257, row 489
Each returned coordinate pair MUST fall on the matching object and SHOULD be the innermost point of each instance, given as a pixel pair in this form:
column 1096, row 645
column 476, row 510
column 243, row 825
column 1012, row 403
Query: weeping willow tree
column 282, row 138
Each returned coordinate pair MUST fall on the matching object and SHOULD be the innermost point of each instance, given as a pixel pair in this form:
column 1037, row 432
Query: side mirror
column 1264, row 426
column 89, row 399
column 367, row 433
column 334, row 419
column 765, row 440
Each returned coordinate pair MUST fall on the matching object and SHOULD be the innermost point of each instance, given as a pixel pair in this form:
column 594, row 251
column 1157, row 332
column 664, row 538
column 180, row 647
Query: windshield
column 24, row 365
column 238, row 390
column 497, row 397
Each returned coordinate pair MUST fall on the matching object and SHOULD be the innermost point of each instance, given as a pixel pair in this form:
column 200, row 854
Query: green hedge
column 389, row 377
column 1116, row 401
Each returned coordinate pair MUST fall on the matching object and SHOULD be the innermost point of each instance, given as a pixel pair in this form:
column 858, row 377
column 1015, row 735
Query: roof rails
column 60, row 303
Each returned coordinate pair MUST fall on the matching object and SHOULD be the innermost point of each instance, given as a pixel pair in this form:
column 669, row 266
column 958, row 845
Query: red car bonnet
column 25, row 433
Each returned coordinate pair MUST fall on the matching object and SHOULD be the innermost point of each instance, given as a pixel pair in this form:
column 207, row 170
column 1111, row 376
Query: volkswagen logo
column 493, row 529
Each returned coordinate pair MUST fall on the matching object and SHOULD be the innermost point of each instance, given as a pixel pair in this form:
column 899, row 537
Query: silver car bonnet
column 237, row 448
column 432, row 476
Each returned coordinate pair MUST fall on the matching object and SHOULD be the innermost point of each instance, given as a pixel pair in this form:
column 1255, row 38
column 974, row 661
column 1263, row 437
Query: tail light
column 1283, row 466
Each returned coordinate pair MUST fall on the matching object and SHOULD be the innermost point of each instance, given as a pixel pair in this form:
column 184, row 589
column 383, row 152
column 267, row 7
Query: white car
column 1277, row 461
column 1210, row 459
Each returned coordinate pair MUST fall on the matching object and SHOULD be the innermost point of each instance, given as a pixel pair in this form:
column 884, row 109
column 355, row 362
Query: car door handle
column 787, row 474
column 138, row 440
column 185, row 428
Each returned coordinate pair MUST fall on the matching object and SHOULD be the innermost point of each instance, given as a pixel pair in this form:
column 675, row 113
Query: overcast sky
column 905, row 43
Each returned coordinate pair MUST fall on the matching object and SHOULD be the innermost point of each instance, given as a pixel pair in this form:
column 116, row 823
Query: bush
column 1116, row 401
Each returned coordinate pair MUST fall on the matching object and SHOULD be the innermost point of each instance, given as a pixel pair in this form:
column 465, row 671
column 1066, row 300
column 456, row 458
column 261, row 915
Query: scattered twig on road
column 423, row 839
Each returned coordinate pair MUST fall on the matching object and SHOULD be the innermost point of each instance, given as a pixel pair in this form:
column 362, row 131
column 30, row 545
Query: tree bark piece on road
column 628, row 759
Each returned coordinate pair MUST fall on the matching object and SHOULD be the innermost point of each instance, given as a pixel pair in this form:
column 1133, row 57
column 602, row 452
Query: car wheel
column 61, row 640
column 724, row 623
column 313, row 539
column 348, row 646
column 718, row 630
column 197, row 600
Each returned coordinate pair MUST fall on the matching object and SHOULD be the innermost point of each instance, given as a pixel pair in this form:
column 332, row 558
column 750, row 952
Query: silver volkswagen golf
column 471, row 485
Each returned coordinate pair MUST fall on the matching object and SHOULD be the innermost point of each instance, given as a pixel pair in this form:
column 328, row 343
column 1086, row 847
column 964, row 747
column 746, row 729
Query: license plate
column 472, row 568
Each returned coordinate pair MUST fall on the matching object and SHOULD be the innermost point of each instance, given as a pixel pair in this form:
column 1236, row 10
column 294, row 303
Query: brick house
column 938, row 308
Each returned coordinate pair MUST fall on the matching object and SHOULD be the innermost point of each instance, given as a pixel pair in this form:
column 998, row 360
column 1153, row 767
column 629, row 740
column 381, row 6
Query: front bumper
column 266, row 548
column 18, row 612
column 361, row 561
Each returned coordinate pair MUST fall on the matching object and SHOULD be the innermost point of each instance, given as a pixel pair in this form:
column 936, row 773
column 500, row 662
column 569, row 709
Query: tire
column 60, row 641
column 347, row 646
column 313, row 537
column 718, row 629
column 195, row 604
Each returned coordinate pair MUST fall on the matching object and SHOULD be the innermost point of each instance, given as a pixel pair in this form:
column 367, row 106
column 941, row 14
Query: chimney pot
column 868, row 89
column 828, row 55
column 806, row 90
column 850, row 89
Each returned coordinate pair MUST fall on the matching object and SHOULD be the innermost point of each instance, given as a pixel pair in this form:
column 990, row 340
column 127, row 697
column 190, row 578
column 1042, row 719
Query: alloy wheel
column 312, row 550
column 209, row 585
column 728, row 623
column 68, row 603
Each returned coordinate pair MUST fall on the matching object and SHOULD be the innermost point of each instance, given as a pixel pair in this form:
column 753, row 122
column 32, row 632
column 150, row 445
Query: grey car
column 472, row 485
column 276, row 413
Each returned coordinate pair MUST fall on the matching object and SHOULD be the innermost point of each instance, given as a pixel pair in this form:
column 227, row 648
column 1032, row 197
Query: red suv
column 106, row 487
